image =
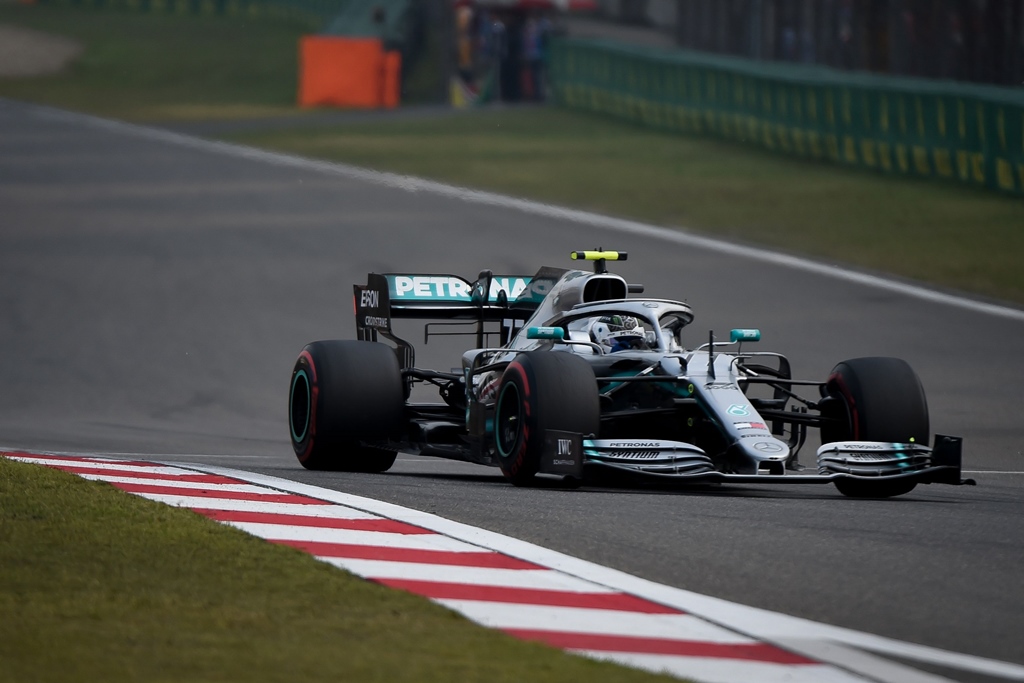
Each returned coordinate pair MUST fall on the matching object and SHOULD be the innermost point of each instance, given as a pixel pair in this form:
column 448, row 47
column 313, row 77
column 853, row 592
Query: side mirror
column 740, row 335
column 556, row 333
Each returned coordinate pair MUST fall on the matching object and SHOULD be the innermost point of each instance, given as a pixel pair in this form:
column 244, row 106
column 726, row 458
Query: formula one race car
column 588, row 383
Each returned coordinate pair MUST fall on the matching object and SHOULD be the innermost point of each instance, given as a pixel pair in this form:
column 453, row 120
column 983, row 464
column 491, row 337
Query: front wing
column 570, row 454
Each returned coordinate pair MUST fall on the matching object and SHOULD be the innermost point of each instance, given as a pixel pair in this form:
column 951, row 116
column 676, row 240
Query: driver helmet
column 618, row 333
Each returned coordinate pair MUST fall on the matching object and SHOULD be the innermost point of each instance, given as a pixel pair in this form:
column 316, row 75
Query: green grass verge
column 934, row 232
column 164, row 66
column 100, row 585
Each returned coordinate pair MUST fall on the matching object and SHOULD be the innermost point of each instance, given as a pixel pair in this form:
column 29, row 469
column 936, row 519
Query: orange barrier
column 347, row 72
column 391, row 85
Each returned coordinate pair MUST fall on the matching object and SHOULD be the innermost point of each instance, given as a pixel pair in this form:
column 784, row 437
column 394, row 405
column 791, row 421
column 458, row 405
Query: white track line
column 593, row 621
column 165, row 472
column 328, row 511
column 279, row 532
column 474, row 576
column 172, row 483
column 619, row 225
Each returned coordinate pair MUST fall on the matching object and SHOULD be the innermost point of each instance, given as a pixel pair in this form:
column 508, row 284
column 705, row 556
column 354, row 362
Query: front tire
column 879, row 399
column 344, row 397
column 541, row 391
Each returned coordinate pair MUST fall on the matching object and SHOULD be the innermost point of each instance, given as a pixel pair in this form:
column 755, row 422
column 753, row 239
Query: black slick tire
column 345, row 397
column 541, row 391
column 882, row 400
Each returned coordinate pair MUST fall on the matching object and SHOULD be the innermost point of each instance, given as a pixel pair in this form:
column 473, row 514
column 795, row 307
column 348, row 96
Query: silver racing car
column 589, row 383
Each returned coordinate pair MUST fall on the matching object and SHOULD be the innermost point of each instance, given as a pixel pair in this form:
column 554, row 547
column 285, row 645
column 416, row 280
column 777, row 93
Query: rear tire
column 882, row 400
column 344, row 397
column 541, row 391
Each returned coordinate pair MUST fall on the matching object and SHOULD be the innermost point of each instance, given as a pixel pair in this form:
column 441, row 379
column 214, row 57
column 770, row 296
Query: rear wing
column 507, row 299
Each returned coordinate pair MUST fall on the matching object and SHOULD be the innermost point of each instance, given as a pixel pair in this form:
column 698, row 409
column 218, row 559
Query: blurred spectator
column 464, row 44
column 501, row 50
column 510, row 69
column 535, row 37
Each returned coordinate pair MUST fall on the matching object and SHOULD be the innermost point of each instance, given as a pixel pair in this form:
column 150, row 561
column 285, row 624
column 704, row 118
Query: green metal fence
column 931, row 129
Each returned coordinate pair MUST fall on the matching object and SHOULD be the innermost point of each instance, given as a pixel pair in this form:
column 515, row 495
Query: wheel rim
column 508, row 425
column 298, row 406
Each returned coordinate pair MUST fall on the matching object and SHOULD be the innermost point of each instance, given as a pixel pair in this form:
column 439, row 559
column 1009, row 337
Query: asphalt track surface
column 154, row 295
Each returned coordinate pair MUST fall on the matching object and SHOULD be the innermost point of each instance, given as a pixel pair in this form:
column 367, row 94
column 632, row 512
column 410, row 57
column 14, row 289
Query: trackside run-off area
column 521, row 589
column 521, row 598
